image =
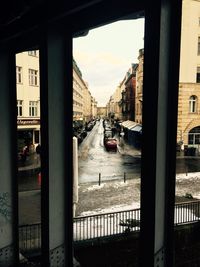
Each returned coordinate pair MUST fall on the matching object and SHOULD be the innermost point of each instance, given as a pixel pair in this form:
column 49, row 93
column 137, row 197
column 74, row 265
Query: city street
column 113, row 193
column 94, row 159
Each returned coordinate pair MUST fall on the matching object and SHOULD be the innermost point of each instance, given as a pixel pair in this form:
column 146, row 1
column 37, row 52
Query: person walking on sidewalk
column 38, row 151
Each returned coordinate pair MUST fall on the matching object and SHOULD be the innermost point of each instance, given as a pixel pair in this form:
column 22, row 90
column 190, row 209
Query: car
column 89, row 126
column 107, row 128
column 83, row 133
column 107, row 134
column 111, row 144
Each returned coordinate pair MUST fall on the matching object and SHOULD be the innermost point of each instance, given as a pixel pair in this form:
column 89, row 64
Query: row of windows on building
column 77, row 103
column 77, row 93
column 77, row 113
column 77, row 85
column 32, row 74
column 33, row 108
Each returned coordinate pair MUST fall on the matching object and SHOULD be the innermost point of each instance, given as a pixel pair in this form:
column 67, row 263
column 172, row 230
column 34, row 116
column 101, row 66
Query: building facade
column 188, row 128
column 101, row 112
column 28, row 98
column 128, row 88
column 139, row 87
column 79, row 87
column 84, row 104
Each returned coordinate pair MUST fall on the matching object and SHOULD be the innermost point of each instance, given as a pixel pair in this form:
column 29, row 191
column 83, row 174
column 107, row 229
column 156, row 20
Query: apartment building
column 84, row 104
column 28, row 98
column 188, row 128
column 87, row 107
column 93, row 108
column 79, row 87
column 139, row 87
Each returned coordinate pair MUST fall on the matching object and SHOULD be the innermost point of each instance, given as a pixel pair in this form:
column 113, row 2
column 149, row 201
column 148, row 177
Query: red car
column 111, row 144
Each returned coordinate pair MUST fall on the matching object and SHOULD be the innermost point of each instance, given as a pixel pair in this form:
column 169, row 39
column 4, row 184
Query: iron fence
column 107, row 224
column 186, row 212
column 30, row 237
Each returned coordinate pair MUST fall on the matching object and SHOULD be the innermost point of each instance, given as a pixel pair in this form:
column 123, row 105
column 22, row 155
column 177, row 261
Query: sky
column 105, row 55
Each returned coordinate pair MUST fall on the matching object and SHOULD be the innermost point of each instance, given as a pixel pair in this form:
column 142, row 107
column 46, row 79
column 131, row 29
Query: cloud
column 106, row 53
column 102, row 71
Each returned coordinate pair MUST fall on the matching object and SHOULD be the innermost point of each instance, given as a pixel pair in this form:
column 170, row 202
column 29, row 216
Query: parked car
column 83, row 133
column 111, row 144
column 107, row 134
column 89, row 126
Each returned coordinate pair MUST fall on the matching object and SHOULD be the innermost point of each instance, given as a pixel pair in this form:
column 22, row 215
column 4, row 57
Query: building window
column 32, row 53
column 19, row 74
column 33, row 77
column 19, row 108
column 198, row 75
column 193, row 104
column 33, row 106
column 194, row 136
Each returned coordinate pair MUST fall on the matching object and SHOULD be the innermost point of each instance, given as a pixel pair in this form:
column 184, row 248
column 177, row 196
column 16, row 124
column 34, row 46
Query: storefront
column 28, row 133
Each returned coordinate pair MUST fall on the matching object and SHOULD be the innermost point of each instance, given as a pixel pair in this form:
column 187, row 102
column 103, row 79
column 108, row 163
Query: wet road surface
column 94, row 159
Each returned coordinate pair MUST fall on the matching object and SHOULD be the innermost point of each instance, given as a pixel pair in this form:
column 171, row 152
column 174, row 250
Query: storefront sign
column 28, row 122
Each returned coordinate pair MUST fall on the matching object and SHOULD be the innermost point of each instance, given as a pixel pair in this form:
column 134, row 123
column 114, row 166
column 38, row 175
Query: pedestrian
column 24, row 153
column 38, row 151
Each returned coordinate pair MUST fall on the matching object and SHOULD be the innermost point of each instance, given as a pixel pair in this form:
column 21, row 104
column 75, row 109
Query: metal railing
column 30, row 237
column 186, row 212
column 107, row 224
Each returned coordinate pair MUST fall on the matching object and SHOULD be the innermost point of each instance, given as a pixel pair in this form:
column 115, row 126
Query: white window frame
column 193, row 104
column 19, row 108
column 33, row 77
column 32, row 53
column 33, row 108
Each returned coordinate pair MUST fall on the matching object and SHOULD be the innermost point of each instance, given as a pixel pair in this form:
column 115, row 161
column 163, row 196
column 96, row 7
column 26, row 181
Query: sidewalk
column 113, row 196
column 108, row 197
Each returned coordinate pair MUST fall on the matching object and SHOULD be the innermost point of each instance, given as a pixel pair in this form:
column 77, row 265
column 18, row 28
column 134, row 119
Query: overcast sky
column 105, row 55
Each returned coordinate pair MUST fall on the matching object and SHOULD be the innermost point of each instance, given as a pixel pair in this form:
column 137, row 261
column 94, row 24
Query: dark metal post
column 99, row 179
column 124, row 177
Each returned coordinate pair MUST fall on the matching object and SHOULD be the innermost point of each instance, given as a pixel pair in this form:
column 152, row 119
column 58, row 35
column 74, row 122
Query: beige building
column 117, row 96
column 28, row 98
column 114, row 105
column 87, row 108
column 139, row 87
column 78, row 93
column 188, row 130
column 84, row 104
column 101, row 112
column 93, row 108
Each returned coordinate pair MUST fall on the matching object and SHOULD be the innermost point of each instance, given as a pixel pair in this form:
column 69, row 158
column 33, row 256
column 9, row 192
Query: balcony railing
column 107, row 224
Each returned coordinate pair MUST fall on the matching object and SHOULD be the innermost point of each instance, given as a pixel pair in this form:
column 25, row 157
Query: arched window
column 194, row 136
column 193, row 104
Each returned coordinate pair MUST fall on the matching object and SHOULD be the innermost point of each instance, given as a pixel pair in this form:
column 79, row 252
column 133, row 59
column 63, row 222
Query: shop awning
column 128, row 124
column 137, row 128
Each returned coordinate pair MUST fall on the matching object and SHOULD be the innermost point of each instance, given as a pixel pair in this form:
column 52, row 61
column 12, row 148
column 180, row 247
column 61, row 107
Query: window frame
column 33, row 77
column 193, row 102
column 33, row 108
column 32, row 53
column 19, row 74
column 19, row 108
